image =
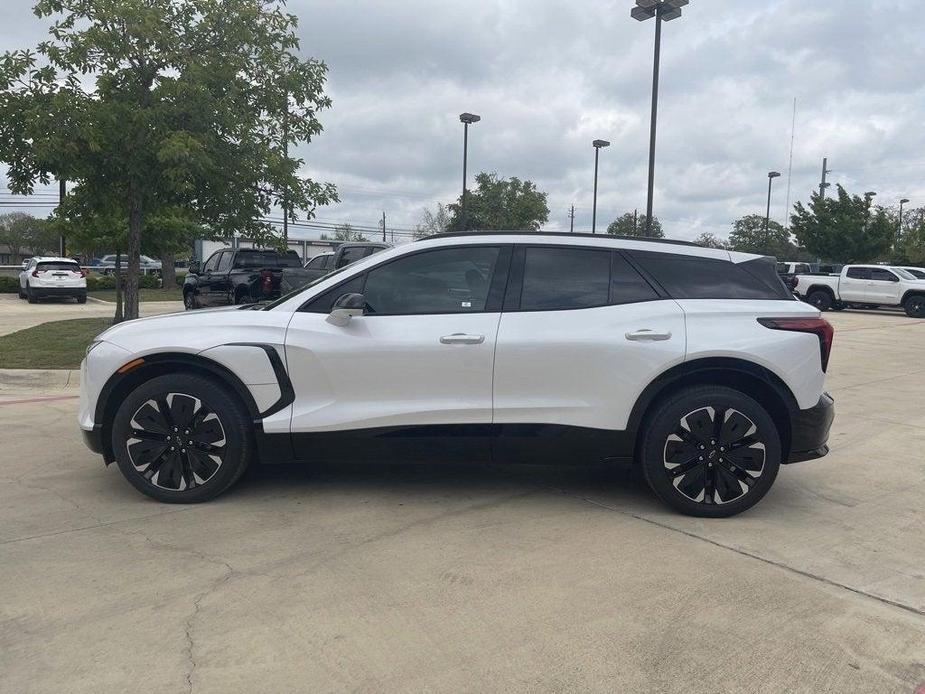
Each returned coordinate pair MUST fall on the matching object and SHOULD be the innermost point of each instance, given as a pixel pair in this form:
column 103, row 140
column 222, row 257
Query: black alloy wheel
column 189, row 300
column 182, row 438
column 820, row 299
column 711, row 451
column 915, row 306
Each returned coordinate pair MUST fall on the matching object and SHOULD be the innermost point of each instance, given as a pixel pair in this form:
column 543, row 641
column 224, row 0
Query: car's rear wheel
column 820, row 299
column 30, row 296
column 182, row 438
column 22, row 294
column 915, row 306
column 81, row 298
column 190, row 302
column 710, row 451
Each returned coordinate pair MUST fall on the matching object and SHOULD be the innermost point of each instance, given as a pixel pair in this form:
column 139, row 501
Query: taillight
column 35, row 273
column 820, row 327
column 83, row 273
column 266, row 281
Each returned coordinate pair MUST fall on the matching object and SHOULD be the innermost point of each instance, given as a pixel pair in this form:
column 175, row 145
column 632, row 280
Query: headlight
column 92, row 345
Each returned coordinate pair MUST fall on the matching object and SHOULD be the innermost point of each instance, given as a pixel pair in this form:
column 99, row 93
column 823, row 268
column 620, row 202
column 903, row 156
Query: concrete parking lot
column 471, row 578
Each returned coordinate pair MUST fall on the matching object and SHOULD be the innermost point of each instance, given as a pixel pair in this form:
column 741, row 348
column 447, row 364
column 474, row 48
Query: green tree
column 844, row 228
column 911, row 247
column 24, row 233
column 708, row 240
column 500, row 203
column 149, row 106
column 345, row 232
column 628, row 224
column 749, row 236
column 435, row 221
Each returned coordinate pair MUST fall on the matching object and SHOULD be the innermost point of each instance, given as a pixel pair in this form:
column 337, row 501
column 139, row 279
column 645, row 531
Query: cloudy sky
column 548, row 77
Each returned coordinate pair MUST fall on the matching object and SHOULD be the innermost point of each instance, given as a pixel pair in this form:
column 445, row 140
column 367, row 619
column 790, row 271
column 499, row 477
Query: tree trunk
column 135, row 221
column 118, row 318
column 168, row 271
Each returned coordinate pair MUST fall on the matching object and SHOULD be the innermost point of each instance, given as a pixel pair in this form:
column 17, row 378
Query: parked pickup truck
column 237, row 276
column 325, row 263
column 864, row 286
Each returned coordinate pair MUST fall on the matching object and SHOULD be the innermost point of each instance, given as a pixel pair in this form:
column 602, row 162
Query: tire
column 242, row 296
column 683, row 433
column 190, row 302
column 22, row 294
column 821, row 299
column 839, row 306
column 219, row 448
column 914, row 306
column 30, row 297
column 81, row 299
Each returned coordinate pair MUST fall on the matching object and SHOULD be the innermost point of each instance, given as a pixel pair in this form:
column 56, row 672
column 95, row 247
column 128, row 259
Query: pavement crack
column 742, row 552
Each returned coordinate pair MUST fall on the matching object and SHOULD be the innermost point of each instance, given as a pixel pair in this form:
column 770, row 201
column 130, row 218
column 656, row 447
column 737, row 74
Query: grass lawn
column 56, row 345
column 175, row 294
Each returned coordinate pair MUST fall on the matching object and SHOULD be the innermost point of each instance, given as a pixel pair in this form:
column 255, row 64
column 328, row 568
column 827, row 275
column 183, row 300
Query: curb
column 94, row 300
column 38, row 380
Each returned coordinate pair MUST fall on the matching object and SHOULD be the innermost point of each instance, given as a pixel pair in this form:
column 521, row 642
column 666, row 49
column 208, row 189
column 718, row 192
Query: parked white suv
column 57, row 277
column 519, row 347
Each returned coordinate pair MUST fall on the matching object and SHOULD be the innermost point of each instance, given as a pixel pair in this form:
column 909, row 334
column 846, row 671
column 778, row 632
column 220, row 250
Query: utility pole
column 383, row 226
column 62, row 191
column 825, row 170
column 793, row 134
column 636, row 222
column 571, row 216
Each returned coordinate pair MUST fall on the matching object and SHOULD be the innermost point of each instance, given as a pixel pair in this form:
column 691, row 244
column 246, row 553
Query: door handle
column 462, row 339
column 646, row 335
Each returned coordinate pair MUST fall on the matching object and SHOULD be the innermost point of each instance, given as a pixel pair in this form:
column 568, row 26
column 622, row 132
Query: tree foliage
column 749, row 236
column 708, row 240
column 500, row 203
column 436, row 221
column 345, row 232
column 23, row 233
column 844, row 228
column 911, row 247
column 628, row 224
column 151, row 107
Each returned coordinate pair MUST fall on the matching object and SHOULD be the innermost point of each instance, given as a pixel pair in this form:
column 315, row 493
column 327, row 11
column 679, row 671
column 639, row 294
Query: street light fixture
column 767, row 217
column 662, row 11
column 597, row 149
column 466, row 119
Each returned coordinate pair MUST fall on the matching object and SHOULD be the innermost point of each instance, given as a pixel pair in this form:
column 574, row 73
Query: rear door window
column 351, row 255
column 878, row 275
column 565, row 278
column 859, row 273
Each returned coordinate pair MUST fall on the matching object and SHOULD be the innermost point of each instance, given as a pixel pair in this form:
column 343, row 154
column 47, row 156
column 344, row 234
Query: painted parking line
column 21, row 402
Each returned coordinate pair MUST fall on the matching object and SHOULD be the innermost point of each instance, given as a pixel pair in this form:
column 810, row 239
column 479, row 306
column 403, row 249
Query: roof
column 560, row 234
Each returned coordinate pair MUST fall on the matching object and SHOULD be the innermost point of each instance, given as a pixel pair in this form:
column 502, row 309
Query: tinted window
column 63, row 265
column 879, row 275
column 918, row 274
column 451, row 280
column 859, row 273
column 319, row 262
column 696, row 277
column 212, row 262
column 626, row 285
column 225, row 261
column 351, row 255
column 258, row 259
column 324, row 301
column 802, row 269
column 565, row 278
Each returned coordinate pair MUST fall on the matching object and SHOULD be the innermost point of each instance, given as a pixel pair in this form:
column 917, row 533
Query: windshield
column 904, row 274
column 301, row 289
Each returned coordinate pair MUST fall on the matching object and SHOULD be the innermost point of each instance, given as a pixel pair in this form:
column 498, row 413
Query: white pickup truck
column 864, row 286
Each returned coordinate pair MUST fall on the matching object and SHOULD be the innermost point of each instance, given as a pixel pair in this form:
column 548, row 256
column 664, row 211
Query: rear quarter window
column 695, row 277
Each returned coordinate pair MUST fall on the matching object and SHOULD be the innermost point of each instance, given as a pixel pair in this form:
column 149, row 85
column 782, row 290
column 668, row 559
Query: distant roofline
column 565, row 234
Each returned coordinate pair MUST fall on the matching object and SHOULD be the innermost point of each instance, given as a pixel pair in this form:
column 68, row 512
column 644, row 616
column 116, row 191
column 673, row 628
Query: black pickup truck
column 325, row 263
column 237, row 276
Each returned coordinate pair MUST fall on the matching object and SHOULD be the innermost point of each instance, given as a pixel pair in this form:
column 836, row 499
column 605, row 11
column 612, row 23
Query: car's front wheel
column 190, row 302
column 820, row 299
column 710, row 451
column 182, row 438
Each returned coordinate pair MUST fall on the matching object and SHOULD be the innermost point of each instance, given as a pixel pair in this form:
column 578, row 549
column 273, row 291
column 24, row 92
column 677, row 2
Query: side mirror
column 346, row 307
column 194, row 268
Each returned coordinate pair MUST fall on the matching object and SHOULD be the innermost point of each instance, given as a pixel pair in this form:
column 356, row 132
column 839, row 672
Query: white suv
column 58, row 277
column 518, row 347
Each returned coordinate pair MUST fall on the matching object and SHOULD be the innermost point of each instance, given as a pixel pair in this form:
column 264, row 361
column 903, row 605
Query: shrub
column 9, row 285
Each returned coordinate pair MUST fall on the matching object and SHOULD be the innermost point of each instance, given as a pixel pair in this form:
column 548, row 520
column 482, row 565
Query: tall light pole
column 662, row 11
column 466, row 119
column 597, row 150
column 825, row 172
column 899, row 231
column 767, row 217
